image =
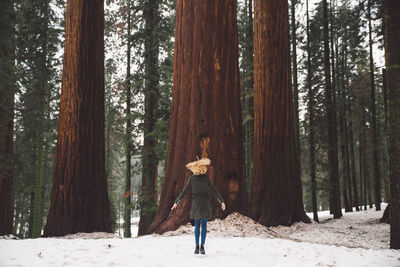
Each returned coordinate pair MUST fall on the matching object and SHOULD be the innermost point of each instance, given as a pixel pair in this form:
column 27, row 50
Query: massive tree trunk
column 392, row 44
column 148, row 201
column 79, row 198
column 206, row 119
column 377, row 174
column 331, row 125
column 311, row 137
column 7, row 89
column 128, row 129
column 276, row 186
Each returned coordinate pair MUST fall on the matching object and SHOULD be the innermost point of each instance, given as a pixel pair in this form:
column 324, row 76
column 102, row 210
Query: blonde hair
column 198, row 167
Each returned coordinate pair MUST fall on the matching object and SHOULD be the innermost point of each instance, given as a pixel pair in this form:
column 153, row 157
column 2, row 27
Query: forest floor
column 357, row 239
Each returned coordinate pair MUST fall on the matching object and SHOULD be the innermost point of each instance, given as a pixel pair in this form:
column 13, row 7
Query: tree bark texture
column 206, row 119
column 331, row 124
column 392, row 44
column 148, row 201
column 276, row 186
column 7, row 90
column 79, row 198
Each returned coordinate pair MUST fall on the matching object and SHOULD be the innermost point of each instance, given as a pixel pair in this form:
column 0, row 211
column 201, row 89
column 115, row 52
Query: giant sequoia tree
column 276, row 186
column 79, row 199
column 392, row 44
column 206, row 116
column 7, row 89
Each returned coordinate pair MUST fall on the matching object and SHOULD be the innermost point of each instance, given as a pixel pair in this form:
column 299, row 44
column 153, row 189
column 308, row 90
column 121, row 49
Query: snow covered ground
column 358, row 239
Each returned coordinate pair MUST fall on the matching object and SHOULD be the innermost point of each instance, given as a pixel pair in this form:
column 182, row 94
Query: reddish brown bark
column 276, row 186
column 79, row 198
column 7, row 89
column 392, row 44
column 205, row 109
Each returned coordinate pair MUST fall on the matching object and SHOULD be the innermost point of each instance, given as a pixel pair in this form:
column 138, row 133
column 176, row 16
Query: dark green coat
column 201, row 205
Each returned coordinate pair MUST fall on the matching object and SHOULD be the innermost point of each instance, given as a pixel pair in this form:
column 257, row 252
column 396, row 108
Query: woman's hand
column 174, row 206
column 223, row 206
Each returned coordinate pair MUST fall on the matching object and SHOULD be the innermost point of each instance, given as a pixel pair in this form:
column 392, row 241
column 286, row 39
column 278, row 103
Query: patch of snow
column 358, row 229
column 357, row 239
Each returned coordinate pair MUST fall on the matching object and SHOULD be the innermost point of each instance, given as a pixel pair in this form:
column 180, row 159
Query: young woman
column 200, row 210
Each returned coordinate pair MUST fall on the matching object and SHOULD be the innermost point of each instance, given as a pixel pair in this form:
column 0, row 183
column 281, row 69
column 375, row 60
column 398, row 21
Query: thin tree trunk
column 295, row 81
column 331, row 119
column 392, row 44
column 276, row 186
column 38, row 186
column 352, row 153
column 7, row 90
column 128, row 129
column 346, row 122
column 364, row 158
column 311, row 138
column 249, row 91
column 149, row 157
column 386, row 175
column 79, row 197
column 360, row 162
column 377, row 174
column 334, row 79
column 205, row 110
column 343, row 136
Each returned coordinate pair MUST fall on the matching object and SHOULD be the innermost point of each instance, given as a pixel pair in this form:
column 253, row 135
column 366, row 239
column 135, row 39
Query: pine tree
column 245, row 38
column 128, row 129
column 310, row 110
column 149, row 156
column 377, row 174
column 295, row 79
column 7, row 91
column 38, row 186
column 331, row 122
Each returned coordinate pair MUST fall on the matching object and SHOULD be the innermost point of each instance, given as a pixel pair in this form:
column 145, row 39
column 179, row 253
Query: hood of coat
column 199, row 166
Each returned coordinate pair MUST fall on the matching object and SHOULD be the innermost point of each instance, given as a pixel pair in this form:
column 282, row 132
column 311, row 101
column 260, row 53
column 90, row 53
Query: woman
column 200, row 210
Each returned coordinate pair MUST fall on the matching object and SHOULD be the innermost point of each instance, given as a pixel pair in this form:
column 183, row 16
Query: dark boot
column 196, row 250
column 202, row 251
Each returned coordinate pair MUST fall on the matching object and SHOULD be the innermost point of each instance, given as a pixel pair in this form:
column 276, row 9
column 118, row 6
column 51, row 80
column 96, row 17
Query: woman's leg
column 196, row 230
column 203, row 231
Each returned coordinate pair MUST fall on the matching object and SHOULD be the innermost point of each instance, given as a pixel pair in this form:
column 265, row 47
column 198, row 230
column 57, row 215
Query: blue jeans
column 197, row 230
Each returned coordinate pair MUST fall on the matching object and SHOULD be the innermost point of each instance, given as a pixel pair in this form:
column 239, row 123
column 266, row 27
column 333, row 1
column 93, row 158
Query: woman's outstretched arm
column 216, row 194
column 182, row 194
